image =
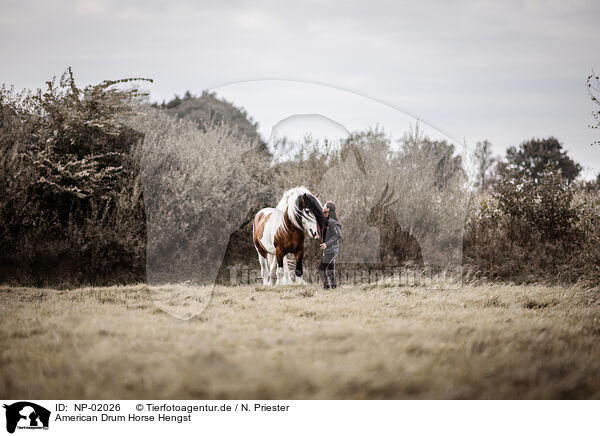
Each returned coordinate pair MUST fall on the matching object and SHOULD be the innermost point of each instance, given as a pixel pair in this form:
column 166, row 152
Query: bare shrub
column 197, row 193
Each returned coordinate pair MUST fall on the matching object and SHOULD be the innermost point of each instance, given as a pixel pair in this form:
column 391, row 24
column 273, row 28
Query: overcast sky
column 505, row 71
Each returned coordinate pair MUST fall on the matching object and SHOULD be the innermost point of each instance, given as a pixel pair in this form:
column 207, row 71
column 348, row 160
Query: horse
column 279, row 231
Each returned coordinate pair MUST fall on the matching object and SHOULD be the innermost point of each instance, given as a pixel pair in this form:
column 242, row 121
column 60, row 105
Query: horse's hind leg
column 264, row 269
column 272, row 263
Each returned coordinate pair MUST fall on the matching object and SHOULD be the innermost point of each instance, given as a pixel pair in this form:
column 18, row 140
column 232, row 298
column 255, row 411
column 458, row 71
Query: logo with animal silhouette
column 26, row 415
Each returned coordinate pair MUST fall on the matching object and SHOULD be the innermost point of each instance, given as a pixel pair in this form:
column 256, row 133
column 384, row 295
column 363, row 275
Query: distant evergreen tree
column 532, row 157
column 208, row 109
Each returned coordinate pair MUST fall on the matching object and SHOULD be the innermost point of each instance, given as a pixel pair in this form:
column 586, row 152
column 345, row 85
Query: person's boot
column 331, row 276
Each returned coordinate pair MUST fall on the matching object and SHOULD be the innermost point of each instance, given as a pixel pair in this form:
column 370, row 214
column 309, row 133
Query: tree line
column 73, row 175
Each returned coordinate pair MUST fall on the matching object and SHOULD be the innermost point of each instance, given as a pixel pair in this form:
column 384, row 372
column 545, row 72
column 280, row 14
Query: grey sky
column 505, row 71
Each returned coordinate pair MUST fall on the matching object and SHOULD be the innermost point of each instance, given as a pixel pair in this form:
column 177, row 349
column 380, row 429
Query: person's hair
column 331, row 206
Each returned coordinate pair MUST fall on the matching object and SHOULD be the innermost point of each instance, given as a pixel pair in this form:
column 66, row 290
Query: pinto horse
column 279, row 231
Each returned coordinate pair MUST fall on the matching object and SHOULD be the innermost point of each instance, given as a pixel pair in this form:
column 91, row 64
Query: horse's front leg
column 286, row 271
column 281, row 279
column 298, row 271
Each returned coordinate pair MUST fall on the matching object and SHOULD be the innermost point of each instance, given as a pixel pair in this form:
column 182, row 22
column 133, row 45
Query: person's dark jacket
column 333, row 234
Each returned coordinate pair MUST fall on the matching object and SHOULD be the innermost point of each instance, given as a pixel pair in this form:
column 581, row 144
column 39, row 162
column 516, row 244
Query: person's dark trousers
column 327, row 270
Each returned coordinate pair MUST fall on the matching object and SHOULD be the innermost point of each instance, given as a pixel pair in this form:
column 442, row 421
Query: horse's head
column 309, row 223
column 311, row 214
column 304, row 210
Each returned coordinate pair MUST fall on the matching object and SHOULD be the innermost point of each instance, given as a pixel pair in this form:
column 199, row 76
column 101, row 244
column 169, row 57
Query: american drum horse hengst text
column 280, row 231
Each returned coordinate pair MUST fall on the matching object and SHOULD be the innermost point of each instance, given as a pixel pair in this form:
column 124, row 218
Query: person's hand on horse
column 323, row 246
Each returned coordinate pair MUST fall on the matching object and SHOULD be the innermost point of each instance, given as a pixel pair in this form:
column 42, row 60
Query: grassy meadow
column 253, row 342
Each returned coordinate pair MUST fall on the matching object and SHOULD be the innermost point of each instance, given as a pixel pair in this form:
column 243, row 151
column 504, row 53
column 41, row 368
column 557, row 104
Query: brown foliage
column 71, row 205
column 528, row 232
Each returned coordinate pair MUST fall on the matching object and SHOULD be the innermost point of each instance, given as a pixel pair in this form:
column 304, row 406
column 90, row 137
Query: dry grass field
column 493, row 341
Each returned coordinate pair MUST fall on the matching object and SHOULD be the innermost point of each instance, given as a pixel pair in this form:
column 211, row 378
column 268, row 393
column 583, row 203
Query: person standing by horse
column 331, row 233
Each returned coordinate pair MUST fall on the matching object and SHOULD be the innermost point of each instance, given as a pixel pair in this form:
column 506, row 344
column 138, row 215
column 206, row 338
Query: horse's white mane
column 288, row 203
